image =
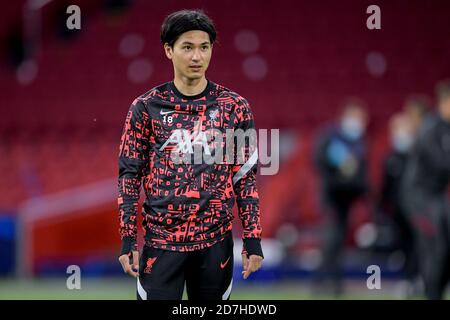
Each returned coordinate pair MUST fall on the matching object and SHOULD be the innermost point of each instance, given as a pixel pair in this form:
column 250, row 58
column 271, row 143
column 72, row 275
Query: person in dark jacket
column 341, row 162
column 426, row 196
column 390, row 207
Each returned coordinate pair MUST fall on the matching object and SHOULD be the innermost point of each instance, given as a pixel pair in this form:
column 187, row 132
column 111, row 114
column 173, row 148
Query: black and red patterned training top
column 188, row 206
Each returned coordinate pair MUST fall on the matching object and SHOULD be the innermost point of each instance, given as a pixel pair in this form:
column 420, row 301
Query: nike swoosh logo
column 165, row 112
column 223, row 265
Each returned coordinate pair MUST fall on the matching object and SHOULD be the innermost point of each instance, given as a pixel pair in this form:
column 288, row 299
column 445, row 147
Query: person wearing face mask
column 340, row 158
column 417, row 108
column 390, row 208
column 425, row 193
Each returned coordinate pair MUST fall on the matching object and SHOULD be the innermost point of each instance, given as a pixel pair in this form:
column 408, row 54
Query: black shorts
column 207, row 273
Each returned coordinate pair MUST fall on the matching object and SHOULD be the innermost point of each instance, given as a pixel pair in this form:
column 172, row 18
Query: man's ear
column 168, row 50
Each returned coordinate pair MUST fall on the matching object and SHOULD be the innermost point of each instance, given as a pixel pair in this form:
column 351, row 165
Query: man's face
column 402, row 132
column 444, row 108
column 354, row 121
column 190, row 54
column 415, row 116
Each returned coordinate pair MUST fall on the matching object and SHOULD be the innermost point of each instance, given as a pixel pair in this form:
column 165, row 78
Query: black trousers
column 406, row 242
column 207, row 274
column 337, row 206
column 431, row 221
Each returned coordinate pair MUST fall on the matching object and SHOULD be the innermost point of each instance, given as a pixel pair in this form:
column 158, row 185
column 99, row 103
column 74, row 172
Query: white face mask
column 402, row 141
column 352, row 128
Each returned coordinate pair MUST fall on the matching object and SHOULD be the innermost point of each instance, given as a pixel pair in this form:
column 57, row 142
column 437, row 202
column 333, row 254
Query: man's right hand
column 251, row 264
column 129, row 268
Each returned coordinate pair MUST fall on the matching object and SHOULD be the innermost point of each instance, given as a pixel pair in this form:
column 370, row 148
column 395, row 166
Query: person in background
column 340, row 158
column 417, row 109
column 425, row 194
column 402, row 128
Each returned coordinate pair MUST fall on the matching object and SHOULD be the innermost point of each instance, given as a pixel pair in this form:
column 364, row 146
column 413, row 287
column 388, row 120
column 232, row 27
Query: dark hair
column 183, row 21
column 353, row 103
column 443, row 90
column 419, row 103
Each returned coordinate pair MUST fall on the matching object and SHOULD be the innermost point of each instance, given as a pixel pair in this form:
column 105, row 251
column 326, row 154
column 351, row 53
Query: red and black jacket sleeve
column 133, row 165
column 244, row 178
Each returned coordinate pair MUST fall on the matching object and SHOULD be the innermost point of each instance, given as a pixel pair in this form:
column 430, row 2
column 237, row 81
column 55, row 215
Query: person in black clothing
column 417, row 110
column 425, row 195
column 341, row 161
column 390, row 205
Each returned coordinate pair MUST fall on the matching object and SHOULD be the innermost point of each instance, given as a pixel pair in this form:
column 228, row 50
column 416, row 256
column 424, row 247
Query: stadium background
column 64, row 96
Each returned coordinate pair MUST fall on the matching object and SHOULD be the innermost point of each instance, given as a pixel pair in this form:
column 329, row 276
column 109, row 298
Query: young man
column 187, row 215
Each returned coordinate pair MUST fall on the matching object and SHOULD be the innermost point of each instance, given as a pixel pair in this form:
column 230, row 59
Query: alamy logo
column 374, row 280
column 74, row 20
column 374, row 20
column 234, row 147
column 74, row 280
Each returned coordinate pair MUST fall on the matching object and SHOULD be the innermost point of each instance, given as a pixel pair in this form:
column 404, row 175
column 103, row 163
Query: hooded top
column 188, row 204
